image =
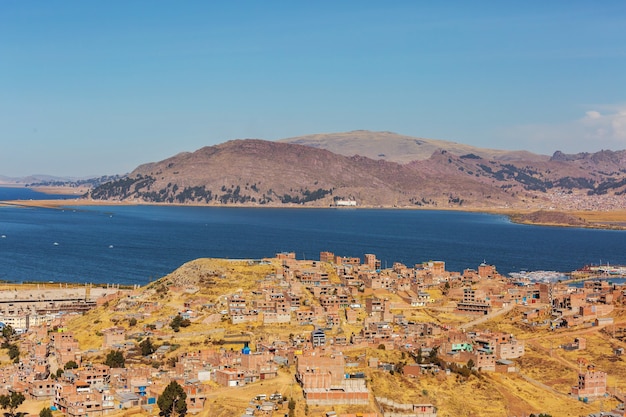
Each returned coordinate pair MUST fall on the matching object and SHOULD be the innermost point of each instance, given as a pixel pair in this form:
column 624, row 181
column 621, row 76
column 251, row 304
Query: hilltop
column 210, row 291
column 402, row 149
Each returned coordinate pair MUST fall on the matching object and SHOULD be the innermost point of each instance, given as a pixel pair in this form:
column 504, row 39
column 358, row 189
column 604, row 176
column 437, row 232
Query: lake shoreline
column 605, row 220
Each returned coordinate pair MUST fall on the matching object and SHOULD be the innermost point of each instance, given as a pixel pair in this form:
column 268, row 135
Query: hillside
column 257, row 172
column 541, row 384
column 271, row 173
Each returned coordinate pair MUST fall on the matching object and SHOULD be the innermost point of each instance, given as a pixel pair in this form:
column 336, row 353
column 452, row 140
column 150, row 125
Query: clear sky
column 92, row 88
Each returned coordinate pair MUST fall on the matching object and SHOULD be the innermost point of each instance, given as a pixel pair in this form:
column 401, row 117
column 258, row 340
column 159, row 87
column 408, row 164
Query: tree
column 115, row 359
column 171, row 362
column 291, row 405
column 8, row 333
column 11, row 402
column 45, row 412
column 171, row 402
column 178, row 322
column 70, row 365
column 147, row 348
column 14, row 353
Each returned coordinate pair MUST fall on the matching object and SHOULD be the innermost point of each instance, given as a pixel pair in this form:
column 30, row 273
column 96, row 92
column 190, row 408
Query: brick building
column 591, row 383
column 324, row 382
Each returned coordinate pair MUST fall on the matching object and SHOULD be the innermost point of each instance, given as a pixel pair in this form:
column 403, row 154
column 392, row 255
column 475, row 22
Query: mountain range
column 376, row 169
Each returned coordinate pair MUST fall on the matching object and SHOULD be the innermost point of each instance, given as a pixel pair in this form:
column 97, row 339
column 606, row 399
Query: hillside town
column 326, row 325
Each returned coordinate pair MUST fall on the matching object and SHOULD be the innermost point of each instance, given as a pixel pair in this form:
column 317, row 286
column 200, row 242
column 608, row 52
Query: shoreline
column 50, row 189
column 605, row 220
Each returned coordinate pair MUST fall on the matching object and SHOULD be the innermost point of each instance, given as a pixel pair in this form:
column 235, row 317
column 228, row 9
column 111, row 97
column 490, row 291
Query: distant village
column 365, row 306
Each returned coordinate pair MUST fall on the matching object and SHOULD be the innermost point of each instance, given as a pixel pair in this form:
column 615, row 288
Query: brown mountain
column 257, row 172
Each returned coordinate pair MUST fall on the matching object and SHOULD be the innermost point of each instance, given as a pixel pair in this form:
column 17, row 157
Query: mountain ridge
column 400, row 148
column 259, row 172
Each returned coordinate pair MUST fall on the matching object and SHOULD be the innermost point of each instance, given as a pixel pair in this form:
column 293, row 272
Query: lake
column 24, row 193
column 137, row 244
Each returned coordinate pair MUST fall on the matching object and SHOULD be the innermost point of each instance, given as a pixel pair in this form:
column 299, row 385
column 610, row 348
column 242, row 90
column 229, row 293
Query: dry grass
column 550, row 377
column 511, row 322
column 33, row 407
column 227, row 402
column 209, row 280
column 615, row 216
column 490, row 395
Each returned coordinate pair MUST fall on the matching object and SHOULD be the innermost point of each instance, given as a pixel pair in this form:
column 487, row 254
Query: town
column 337, row 336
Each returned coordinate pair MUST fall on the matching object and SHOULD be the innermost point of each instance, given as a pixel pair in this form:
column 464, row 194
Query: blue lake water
column 23, row 193
column 137, row 244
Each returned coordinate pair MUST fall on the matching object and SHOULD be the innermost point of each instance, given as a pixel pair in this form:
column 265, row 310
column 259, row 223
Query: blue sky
column 93, row 88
